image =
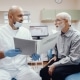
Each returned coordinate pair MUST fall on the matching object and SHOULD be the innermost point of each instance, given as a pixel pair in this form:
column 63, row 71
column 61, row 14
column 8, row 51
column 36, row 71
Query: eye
column 57, row 20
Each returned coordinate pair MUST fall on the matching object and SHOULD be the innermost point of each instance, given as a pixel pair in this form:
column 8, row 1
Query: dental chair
column 75, row 76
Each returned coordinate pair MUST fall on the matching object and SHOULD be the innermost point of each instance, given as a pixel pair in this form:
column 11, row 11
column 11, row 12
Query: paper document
column 28, row 47
column 47, row 43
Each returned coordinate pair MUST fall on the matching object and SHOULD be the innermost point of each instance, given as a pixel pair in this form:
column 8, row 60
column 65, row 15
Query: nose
column 21, row 19
column 55, row 23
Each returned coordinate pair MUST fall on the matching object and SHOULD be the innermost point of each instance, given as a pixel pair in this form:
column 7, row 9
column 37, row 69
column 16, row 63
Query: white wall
column 35, row 6
column 78, row 4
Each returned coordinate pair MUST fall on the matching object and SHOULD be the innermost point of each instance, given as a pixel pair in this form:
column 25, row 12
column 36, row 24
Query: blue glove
column 12, row 52
column 49, row 54
column 35, row 56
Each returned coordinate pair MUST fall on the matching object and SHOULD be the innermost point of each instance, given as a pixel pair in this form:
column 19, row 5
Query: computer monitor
column 39, row 31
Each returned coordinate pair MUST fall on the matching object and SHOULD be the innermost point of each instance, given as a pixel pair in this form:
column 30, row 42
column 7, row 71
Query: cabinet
column 75, row 14
column 47, row 15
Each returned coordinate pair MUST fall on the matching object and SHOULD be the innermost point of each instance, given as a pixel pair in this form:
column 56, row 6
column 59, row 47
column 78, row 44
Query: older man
column 66, row 58
column 14, row 66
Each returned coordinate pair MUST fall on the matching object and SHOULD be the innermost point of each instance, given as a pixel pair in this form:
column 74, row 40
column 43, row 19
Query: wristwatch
column 58, row 1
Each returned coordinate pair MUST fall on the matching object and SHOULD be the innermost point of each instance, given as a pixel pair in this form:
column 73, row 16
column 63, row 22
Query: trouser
column 60, row 73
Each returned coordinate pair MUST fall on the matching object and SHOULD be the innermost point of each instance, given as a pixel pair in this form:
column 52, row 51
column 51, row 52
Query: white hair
column 66, row 16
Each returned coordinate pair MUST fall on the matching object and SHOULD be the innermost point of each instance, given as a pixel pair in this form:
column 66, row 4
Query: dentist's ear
column 10, row 20
column 10, row 17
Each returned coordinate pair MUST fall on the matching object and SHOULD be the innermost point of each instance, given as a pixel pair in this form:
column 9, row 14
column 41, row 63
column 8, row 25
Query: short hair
column 66, row 16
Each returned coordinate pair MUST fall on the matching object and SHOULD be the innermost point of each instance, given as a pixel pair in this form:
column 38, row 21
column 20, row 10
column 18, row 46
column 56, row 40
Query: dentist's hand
column 12, row 52
column 35, row 56
column 1, row 55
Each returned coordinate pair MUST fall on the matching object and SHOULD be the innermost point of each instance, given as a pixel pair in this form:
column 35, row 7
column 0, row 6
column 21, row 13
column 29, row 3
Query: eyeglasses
column 58, row 20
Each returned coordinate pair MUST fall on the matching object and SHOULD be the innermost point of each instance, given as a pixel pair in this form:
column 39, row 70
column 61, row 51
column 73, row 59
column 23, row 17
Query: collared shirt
column 68, row 46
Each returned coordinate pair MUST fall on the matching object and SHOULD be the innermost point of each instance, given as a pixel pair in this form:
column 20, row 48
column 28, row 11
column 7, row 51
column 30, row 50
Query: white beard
column 60, row 27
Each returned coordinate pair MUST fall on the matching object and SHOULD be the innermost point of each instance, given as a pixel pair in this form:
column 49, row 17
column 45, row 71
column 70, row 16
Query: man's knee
column 41, row 72
column 44, row 72
column 58, row 75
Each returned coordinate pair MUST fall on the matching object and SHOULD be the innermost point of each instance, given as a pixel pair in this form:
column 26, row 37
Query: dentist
column 12, row 63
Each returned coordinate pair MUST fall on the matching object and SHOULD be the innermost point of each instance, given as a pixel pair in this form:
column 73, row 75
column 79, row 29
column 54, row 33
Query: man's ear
column 10, row 17
column 66, row 21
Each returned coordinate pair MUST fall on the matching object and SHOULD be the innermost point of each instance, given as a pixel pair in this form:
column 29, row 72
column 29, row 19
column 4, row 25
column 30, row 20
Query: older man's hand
column 51, row 69
column 53, row 59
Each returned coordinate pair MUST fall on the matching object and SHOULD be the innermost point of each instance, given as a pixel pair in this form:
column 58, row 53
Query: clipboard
column 28, row 47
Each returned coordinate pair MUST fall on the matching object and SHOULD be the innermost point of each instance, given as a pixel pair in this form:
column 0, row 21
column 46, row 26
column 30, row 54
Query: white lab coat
column 14, row 66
